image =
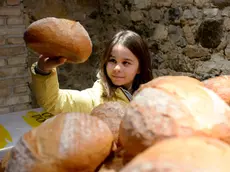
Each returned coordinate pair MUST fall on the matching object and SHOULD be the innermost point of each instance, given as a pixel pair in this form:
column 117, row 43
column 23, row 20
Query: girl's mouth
column 118, row 77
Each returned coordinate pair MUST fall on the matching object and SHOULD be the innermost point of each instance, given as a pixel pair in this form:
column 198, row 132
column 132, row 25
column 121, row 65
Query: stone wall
column 185, row 37
column 14, row 77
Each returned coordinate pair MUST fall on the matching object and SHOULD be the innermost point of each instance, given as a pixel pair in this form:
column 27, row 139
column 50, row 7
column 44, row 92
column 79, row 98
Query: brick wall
column 14, row 75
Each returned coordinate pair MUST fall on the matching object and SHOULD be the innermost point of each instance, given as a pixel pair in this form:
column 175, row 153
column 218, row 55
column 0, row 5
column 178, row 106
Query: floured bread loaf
column 55, row 37
column 220, row 85
column 111, row 113
column 163, row 80
column 173, row 108
column 70, row 141
column 192, row 154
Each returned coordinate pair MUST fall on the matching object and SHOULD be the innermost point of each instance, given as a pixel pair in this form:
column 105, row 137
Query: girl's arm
column 55, row 100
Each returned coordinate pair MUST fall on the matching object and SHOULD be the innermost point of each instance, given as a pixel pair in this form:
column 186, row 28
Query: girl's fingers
column 55, row 62
column 62, row 60
column 42, row 57
column 46, row 64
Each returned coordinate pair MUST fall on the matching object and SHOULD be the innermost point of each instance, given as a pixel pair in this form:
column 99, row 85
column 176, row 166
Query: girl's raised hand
column 46, row 64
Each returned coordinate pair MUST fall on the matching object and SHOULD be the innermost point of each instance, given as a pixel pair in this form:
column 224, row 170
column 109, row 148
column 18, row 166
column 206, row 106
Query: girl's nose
column 117, row 67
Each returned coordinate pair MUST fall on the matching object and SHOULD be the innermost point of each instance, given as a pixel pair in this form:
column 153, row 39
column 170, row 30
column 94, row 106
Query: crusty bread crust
column 69, row 141
column 173, row 106
column 184, row 154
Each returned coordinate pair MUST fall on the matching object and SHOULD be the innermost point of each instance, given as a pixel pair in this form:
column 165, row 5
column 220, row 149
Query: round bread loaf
column 192, row 154
column 58, row 37
column 171, row 108
column 220, row 85
column 69, row 141
column 111, row 113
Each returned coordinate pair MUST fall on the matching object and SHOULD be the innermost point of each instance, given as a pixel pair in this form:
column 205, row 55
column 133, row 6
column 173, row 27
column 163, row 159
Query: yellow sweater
column 55, row 100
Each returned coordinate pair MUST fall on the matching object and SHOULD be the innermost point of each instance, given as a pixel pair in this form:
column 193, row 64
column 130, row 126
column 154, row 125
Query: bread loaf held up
column 66, row 142
column 55, row 37
column 191, row 154
column 175, row 106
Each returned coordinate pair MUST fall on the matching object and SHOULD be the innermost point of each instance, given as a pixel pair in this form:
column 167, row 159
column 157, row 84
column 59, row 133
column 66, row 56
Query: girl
column 124, row 67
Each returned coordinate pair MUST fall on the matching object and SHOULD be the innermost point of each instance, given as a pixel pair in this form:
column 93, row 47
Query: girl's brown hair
column 139, row 48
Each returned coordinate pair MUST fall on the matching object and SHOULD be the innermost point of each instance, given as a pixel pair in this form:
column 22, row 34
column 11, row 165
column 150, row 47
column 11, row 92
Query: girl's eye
column 126, row 63
column 112, row 60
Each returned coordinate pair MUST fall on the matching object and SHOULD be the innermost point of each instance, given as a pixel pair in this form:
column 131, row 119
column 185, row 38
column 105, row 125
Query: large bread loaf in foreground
column 171, row 108
column 192, row 154
column 55, row 37
column 70, row 141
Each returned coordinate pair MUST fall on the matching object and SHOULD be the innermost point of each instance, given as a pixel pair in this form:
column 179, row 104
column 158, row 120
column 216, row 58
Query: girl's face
column 122, row 66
